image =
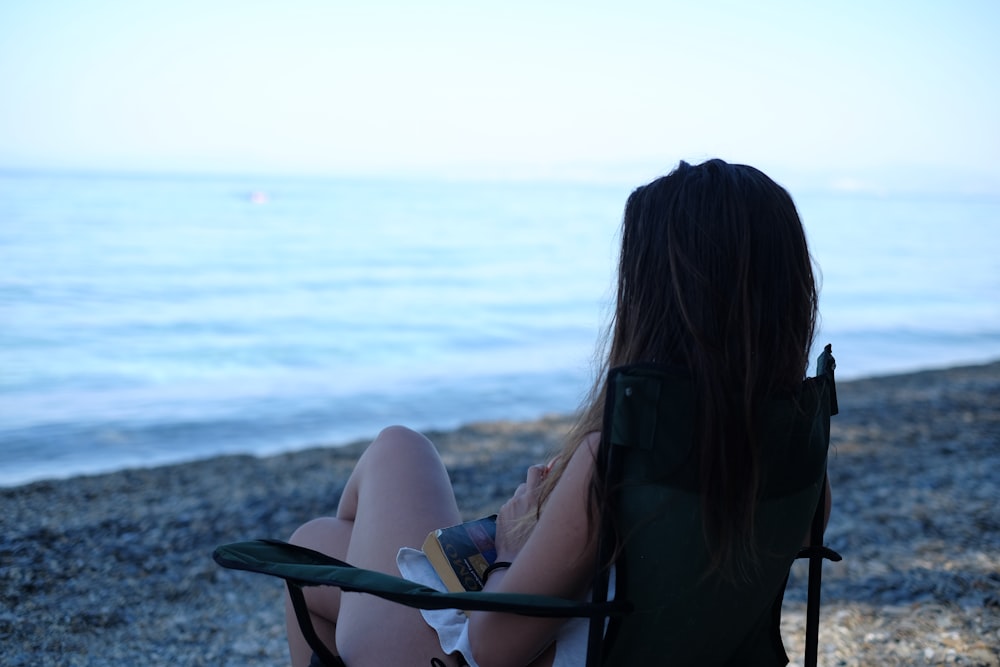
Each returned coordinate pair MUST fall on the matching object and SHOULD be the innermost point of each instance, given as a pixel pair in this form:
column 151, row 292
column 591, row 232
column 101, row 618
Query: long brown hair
column 714, row 277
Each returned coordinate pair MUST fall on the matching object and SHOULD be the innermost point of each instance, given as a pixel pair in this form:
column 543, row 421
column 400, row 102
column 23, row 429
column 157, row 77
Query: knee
column 309, row 534
column 399, row 434
column 399, row 448
column 400, row 441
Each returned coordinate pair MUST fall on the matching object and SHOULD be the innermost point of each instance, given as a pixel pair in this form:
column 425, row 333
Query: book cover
column 460, row 554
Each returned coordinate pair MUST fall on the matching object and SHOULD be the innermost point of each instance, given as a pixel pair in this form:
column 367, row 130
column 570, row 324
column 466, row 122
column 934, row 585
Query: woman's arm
column 557, row 559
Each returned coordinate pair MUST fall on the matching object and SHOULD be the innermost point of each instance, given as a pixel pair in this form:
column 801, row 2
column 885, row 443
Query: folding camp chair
column 670, row 606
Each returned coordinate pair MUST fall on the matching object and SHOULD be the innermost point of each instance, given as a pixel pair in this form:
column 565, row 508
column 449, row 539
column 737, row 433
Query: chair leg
column 324, row 656
column 316, row 661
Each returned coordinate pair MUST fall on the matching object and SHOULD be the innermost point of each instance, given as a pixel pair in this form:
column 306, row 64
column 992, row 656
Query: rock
column 116, row 569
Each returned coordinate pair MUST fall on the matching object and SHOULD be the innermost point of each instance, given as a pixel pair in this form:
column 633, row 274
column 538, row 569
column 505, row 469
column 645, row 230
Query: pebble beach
column 116, row 569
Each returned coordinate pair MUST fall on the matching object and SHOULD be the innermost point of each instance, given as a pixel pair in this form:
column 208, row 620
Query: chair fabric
column 683, row 612
column 669, row 608
column 305, row 567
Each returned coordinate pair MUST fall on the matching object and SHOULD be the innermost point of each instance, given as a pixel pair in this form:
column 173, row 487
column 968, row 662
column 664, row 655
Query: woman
column 714, row 277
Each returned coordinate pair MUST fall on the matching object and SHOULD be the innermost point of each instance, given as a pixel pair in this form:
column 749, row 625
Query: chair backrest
column 684, row 613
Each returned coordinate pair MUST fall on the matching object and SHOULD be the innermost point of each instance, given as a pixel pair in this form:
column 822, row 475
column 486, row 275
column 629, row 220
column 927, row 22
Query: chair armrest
column 305, row 567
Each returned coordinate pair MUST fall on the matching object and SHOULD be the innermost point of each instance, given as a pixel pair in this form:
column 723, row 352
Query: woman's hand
column 517, row 517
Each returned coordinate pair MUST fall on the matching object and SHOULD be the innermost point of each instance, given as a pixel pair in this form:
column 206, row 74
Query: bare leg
column 399, row 492
column 330, row 536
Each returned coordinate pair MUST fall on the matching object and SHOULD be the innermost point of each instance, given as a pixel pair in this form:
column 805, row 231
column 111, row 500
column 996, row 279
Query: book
column 460, row 554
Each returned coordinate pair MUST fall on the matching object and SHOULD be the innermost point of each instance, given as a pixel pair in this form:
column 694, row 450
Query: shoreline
column 349, row 444
column 101, row 569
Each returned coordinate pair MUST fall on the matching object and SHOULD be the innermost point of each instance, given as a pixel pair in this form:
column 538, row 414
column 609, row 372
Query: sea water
column 152, row 319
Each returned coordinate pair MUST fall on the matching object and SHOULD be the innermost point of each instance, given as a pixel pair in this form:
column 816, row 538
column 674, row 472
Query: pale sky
column 847, row 92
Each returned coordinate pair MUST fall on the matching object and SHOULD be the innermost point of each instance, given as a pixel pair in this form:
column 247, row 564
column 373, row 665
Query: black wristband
column 499, row 565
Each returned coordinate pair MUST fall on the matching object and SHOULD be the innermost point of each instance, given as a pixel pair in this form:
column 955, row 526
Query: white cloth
column 452, row 625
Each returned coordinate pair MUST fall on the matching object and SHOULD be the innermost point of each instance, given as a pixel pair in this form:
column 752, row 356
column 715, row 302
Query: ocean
column 155, row 319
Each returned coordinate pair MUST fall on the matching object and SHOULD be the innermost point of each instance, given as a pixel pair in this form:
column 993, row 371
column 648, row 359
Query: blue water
column 146, row 320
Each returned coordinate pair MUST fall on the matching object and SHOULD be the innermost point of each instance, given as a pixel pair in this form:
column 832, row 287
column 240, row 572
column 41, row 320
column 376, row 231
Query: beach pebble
column 116, row 569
